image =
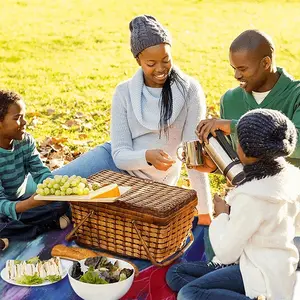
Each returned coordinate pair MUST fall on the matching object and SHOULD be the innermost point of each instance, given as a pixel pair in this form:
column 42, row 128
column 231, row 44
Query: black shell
column 76, row 272
column 127, row 272
column 93, row 261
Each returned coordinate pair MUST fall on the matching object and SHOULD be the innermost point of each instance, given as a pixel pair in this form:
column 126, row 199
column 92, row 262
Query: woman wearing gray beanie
column 152, row 114
column 155, row 111
column 253, row 240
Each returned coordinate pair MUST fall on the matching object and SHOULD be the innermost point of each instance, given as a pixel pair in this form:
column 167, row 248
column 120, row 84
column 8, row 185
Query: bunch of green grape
column 64, row 186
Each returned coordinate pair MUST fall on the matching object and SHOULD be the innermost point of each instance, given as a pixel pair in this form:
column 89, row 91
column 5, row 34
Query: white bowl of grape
column 101, row 278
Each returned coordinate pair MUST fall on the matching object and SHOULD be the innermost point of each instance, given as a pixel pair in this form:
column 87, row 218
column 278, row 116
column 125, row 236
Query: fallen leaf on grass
column 79, row 115
column 32, row 114
column 87, row 125
column 60, row 140
column 50, row 111
column 79, row 143
column 33, row 123
column 71, row 123
column 52, row 141
column 55, row 153
column 83, row 136
column 56, row 163
column 57, row 147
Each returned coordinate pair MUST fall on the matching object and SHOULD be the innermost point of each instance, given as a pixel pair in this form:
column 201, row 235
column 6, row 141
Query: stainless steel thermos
column 226, row 159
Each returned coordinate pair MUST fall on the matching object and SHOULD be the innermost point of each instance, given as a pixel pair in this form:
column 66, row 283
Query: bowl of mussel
column 101, row 278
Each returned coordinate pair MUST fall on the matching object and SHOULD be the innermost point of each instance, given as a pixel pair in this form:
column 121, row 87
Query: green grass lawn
column 66, row 56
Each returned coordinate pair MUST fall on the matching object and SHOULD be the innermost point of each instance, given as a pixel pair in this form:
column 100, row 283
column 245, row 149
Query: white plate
column 86, row 198
column 65, row 266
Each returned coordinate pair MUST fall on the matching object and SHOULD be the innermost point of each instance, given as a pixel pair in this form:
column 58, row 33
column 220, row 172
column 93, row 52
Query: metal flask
column 226, row 159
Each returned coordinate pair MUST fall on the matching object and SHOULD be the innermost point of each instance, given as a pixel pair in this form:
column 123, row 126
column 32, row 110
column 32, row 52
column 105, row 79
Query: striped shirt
column 15, row 165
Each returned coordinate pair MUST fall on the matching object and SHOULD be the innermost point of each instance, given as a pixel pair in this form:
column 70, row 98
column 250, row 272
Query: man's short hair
column 254, row 40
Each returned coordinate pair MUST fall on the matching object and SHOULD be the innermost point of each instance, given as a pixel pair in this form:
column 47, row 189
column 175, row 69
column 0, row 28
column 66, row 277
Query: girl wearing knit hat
column 152, row 114
column 256, row 236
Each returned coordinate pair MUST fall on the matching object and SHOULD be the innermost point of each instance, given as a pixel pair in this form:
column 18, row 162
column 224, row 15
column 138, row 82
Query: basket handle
column 168, row 260
column 70, row 235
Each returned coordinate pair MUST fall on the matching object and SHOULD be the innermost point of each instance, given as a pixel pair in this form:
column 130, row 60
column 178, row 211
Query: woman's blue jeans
column 207, row 281
column 91, row 162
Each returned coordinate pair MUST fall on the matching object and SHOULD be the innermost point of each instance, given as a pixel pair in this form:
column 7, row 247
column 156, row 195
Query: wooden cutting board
column 84, row 198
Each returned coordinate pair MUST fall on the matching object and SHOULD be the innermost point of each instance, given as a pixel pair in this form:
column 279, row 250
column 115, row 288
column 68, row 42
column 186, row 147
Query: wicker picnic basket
column 150, row 221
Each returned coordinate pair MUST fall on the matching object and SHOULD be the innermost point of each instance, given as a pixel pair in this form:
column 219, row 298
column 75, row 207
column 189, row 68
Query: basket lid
column 146, row 196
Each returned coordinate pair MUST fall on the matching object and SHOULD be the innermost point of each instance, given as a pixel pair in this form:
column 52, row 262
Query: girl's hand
column 220, row 206
column 159, row 159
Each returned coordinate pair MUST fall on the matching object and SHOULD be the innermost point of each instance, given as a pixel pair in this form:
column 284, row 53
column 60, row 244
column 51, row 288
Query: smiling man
column 261, row 85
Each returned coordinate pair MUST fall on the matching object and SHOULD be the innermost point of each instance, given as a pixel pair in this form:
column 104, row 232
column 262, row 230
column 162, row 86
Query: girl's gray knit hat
column 266, row 133
column 146, row 31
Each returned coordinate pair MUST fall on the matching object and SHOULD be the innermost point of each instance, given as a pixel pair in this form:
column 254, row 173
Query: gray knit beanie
column 266, row 133
column 146, row 31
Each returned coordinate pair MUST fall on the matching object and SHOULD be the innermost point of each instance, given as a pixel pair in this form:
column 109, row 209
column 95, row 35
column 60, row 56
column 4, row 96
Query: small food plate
column 65, row 267
column 85, row 198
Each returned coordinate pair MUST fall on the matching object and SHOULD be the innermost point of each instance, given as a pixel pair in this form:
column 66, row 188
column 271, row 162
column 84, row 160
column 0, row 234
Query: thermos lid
column 238, row 179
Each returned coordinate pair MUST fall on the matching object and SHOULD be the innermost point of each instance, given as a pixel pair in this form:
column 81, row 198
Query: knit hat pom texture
column 266, row 133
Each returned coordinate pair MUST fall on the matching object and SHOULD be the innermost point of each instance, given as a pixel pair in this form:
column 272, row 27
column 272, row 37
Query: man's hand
column 29, row 203
column 205, row 127
column 220, row 206
column 159, row 159
column 208, row 164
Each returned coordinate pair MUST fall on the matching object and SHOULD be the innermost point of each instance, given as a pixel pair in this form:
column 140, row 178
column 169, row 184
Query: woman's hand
column 29, row 203
column 220, row 206
column 205, row 127
column 159, row 159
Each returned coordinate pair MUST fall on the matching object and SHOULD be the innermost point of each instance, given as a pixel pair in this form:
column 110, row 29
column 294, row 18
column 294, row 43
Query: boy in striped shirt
column 22, row 217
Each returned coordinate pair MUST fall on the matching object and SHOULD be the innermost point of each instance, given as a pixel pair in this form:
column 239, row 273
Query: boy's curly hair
column 7, row 98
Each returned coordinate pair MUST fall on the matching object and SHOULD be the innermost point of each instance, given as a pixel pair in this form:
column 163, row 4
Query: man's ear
column 267, row 62
column 138, row 61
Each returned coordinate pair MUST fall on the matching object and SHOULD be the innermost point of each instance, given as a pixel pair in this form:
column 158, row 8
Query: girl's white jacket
column 259, row 233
